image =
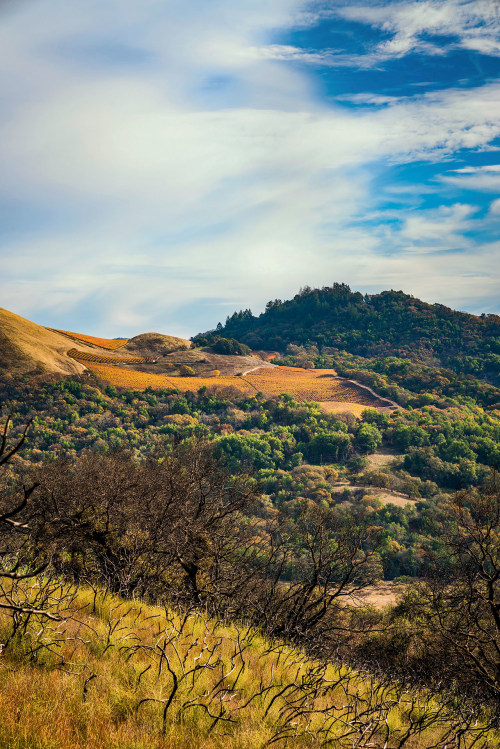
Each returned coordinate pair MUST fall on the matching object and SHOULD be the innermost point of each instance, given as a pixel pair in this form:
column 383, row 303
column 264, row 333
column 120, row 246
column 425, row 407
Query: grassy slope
column 25, row 346
column 104, row 679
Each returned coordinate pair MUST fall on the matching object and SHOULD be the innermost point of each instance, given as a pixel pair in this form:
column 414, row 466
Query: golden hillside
column 28, row 347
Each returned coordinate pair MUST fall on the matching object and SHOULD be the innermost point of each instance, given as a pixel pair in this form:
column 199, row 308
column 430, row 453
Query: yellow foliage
column 307, row 384
column 182, row 420
column 131, row 378
column 85, row 356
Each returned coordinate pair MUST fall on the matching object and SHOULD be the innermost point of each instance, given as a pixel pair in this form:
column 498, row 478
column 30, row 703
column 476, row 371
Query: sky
column 164, row 163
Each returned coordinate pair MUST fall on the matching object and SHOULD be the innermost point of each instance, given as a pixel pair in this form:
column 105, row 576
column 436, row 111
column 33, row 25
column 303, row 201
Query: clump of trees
column 387, row 324
column 230, row 347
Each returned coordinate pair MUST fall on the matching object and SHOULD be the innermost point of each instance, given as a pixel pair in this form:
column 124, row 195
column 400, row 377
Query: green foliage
column 392, row 324
column 230, row 347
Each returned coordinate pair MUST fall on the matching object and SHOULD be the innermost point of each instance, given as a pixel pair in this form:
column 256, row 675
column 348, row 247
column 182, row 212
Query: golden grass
column 123, row 675
column 28, row 345
column 109, row 343
column 308, row 384
column 344, row 407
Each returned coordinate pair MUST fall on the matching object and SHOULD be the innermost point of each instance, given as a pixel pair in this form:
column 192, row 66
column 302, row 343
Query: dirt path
column 380, row 595
column 260, row 366
column 386, row 496
column 386, row 401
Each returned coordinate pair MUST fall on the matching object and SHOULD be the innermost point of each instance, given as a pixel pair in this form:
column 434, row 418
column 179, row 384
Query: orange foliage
column 304, row 384
column 108, row 343
column 307, row 384
column 85, row 356
column 131, row 378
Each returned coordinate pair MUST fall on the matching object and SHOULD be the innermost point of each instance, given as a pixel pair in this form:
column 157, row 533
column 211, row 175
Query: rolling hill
column 154, row 360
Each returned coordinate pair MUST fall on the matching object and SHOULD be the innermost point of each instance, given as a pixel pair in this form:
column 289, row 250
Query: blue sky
column 164, row 163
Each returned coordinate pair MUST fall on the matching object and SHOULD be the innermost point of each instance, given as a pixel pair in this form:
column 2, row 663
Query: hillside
column 121, row 674
column 388, row 324
column 28, row 347
column 158, row 361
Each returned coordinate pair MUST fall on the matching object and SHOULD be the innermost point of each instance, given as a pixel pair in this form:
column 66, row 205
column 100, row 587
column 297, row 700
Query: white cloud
column 473, row 24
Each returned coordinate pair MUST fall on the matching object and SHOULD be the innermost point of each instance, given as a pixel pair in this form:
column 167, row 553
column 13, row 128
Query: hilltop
column 391, row 323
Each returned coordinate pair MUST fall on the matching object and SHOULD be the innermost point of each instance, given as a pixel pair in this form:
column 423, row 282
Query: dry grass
column 24, row 345
column 339, row 407
column 107, row 343
column 122, row 675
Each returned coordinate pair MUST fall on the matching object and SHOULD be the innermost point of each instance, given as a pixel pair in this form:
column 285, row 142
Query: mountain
column 391, row 323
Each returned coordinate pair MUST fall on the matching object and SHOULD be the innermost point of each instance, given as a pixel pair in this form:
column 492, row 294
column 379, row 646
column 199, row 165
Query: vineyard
column 304, row 384
column 308, row 384
column 130, row 378
column 85, row 356
column 108, row 343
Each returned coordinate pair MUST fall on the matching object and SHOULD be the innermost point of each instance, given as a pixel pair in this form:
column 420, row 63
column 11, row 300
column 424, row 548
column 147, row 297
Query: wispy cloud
column 415, row 26
column 430, row 27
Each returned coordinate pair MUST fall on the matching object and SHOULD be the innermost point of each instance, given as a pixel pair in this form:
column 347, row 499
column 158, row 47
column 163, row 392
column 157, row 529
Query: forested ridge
column 391, row 323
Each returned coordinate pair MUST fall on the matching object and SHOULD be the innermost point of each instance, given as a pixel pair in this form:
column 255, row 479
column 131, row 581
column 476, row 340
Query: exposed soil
column 380, row 595
column 204, row 363
column 386, row 496
column 382, row 459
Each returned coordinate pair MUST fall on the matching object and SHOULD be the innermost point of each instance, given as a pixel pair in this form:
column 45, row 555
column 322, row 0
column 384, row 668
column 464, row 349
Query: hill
column 28, row 347
column 388, row 324
column 155, row 344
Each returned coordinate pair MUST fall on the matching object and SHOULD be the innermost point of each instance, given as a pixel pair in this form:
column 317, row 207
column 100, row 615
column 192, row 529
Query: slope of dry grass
column 26, row 346
column 123, row 675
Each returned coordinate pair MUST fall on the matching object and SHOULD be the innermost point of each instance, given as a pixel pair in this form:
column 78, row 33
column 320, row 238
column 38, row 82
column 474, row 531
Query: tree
column 368, row 438
column 464, row 595
column 328, row 560
column 157, row 528
column 19, row 570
